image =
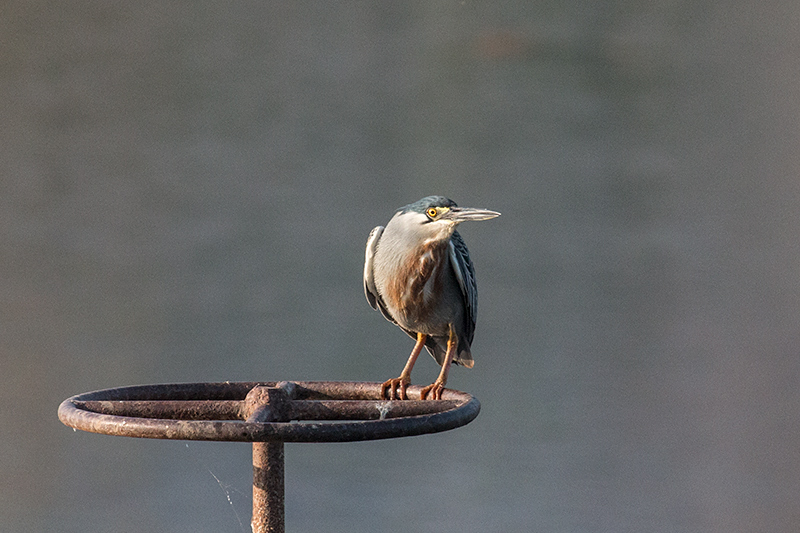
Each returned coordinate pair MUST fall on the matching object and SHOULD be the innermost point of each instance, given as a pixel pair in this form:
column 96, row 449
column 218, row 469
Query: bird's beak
column 463, row 214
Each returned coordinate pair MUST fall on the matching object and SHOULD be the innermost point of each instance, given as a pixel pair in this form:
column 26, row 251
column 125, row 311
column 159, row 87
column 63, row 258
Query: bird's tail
column 464, row 358
column 438, row 349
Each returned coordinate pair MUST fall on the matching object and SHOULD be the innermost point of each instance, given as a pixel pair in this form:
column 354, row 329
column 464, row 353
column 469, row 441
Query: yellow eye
column 432, row 212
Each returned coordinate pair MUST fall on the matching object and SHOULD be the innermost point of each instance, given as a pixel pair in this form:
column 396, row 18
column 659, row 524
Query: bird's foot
column 434, row 389
column 395, row 389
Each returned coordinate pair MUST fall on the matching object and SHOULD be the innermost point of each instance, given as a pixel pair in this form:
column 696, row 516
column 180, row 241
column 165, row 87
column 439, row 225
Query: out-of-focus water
column 185, row 193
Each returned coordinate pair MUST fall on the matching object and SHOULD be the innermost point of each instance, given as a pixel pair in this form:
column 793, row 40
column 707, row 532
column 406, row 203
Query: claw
column 395, row 389
column 434, row 389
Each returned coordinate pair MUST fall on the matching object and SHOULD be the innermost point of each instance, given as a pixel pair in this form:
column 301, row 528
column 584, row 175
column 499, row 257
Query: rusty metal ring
column 299, row 411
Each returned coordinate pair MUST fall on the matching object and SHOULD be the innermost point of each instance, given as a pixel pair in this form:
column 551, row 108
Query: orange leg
column 395, row 389
column 435, row 388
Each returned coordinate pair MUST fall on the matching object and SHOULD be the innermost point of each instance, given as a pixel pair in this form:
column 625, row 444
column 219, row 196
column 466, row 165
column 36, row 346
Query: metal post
column 267, row 404
column 268, row 488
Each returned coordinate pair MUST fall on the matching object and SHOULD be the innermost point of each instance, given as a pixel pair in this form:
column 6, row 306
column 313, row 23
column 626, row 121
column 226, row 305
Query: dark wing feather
column 465, row 273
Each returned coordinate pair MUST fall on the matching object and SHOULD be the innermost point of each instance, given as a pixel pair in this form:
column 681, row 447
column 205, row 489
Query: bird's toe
column 432, row 391
column 395, row 389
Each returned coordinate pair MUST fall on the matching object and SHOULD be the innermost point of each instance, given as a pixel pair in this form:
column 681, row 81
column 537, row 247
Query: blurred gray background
column 185, row 193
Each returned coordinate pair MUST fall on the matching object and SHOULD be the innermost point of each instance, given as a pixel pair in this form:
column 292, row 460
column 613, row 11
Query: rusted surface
column 364, row 409
column 166, row 409
column 268, row 488
column 266, row 414
column 267, row 404
column 224, row 412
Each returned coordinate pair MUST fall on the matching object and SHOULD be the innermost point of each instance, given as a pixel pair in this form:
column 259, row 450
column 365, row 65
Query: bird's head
column 436, row 217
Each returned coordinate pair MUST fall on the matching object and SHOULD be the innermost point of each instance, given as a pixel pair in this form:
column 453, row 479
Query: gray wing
column 369, row 257
column 370, row 291
column 465, row 274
